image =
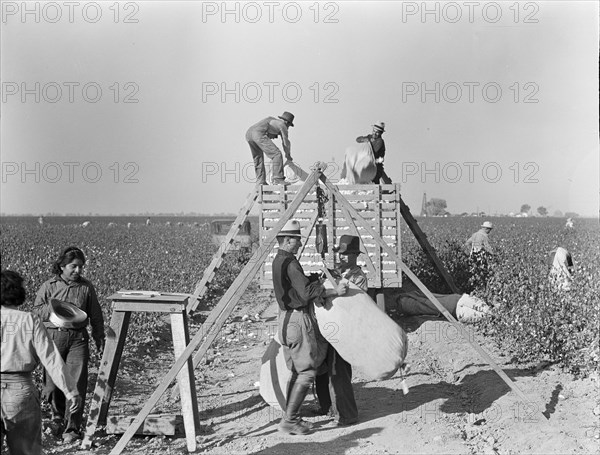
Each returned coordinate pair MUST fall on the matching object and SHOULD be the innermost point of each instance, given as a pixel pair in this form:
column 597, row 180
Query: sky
column 142, row 107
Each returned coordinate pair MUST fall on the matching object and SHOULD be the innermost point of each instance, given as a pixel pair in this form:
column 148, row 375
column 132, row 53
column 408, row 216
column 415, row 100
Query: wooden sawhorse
column 123, row 305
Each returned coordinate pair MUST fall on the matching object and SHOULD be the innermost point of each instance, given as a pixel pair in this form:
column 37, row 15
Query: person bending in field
column 25, row 343
column 68, row 285
column 561, row 269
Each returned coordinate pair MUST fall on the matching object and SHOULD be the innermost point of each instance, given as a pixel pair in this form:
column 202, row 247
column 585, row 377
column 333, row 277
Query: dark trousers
column 74, row 349
column 381, row 175
column 334, row 388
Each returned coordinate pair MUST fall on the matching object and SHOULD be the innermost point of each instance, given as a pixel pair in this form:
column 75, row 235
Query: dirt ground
column 456, row 404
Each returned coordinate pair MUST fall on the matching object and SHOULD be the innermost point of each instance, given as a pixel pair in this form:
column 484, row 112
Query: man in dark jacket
column 304, row 346
column 378, row 146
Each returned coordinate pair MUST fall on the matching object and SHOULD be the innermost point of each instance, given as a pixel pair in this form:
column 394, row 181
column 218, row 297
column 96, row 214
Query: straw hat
column 290, row 229
column 487, row 224
column 66, row 315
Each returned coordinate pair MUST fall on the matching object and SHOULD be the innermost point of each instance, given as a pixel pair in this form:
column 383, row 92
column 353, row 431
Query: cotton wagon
column 378, row 205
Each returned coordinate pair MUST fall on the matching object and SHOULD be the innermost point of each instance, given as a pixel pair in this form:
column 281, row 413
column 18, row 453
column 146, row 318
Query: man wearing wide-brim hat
column 298, row 330
column 378, row 146
column 479, row 241
column 259, row 138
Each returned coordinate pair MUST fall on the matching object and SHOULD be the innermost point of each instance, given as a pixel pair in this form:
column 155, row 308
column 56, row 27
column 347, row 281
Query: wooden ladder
column 217, row 260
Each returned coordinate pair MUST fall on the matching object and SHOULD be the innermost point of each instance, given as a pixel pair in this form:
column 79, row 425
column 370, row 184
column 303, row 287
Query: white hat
column 380, row 126
column 66, row 315
column 291, row 229
column 487, row 224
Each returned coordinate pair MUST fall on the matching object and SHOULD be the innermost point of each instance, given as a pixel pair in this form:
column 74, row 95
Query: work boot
column 291, row 423
column 299, row 427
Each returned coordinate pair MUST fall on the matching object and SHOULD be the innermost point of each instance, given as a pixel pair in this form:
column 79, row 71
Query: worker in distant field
column 304, row 346
column 480, row 251
column 561, row 269
column 68, row 285
column 25, row 343
column 378, row 146
column 334, row 387
column 569, row 224
column 259, row 138
column 479, row 241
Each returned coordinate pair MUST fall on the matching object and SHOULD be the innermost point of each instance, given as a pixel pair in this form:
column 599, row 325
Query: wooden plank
column 148, row 296
column 276, row 198
column 432, row 298
column 272, row 206
column 154, row 424
column 185, row 380
column 329, row 260
column 149, row 307
column 209, row 330
column 370, row 199
column 379, row 279
column 107, row 374
column 398, row 231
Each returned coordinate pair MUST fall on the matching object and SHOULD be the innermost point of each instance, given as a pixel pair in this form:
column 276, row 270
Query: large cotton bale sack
column 362, row 334
column 274, row 376
column 359, row 164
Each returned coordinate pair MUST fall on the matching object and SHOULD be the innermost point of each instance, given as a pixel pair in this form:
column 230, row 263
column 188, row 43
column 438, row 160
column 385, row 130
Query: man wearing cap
column 304, row 346
column 334, row 388
column 25, row 343
column 479, row 240
column 259, row 138
column 378, row 146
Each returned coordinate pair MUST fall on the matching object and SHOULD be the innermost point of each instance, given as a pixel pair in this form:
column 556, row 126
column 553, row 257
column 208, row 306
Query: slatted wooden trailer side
column 379, row 205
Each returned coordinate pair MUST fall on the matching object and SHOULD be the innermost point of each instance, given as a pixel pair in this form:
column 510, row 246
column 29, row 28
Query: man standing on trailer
column 303, row 345
column 378, row 146
column 259, row 138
